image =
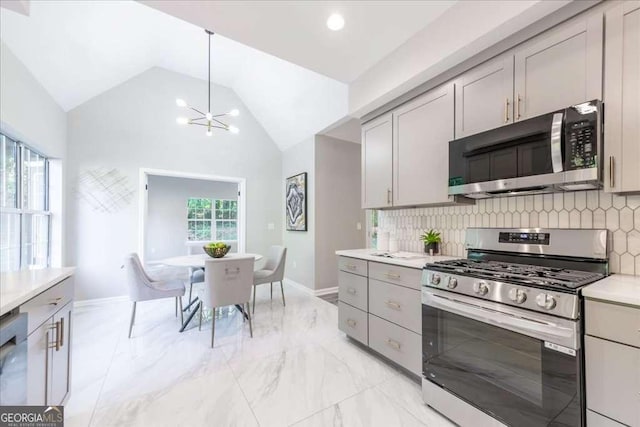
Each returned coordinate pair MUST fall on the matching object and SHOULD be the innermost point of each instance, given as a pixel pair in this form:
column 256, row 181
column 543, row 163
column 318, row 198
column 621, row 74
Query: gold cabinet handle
column 612, row 175
column 506, row 110
column 351, row 323
column 62, row 332
column 56, row 343
column 393, row 344
column 392, row 304
column 391, row 275
column 388, row 196
column 518, row 107
column 352, row 291
column 350, row 267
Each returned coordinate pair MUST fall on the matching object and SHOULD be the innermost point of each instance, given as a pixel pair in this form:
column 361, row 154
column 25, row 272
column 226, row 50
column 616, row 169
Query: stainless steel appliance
column 553, row 152
column 13, row 359
column 501, row 329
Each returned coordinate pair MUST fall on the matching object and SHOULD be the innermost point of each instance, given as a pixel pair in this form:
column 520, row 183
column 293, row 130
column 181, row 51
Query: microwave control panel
column 581, row 133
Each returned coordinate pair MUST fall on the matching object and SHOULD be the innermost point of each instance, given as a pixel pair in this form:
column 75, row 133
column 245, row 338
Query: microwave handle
column 556, row 142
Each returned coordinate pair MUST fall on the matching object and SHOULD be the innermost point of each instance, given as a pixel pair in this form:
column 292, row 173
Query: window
column 24, row 207
column 372, row 226
column 212, row 219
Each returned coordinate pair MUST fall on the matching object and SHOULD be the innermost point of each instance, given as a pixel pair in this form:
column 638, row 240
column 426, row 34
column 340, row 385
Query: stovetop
column 557, row 279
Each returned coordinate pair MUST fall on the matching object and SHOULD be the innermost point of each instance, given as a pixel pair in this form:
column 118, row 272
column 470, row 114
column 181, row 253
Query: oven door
column 520, row 367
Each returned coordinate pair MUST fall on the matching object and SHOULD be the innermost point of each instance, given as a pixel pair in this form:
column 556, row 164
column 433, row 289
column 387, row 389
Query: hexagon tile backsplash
column 581, row 209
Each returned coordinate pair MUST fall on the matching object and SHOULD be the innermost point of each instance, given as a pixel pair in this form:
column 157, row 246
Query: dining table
column 197, row 261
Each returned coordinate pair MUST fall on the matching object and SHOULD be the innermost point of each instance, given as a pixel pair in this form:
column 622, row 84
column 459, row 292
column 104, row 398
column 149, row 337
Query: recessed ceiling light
column 335, row 22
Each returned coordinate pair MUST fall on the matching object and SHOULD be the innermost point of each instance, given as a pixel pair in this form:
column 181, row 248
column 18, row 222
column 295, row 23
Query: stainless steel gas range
column 501, row 329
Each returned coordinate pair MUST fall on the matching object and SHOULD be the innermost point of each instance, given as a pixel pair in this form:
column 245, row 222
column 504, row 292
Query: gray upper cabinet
column 484, row 97
column 622, row 98
column 422, row 130
column 561, row 67
column 377, row 149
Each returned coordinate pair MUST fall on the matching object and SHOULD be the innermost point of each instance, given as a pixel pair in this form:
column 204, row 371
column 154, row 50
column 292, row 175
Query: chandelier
column 209, row 120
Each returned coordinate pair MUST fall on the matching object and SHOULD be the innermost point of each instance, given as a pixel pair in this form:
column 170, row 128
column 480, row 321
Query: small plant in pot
column 432, row 240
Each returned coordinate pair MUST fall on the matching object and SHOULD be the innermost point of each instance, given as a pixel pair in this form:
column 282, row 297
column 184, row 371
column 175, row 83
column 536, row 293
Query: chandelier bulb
column 182, row 121
column 233, row 129
column 209, row 133
column 181, row 102
column 234, row 113
column 209, row 116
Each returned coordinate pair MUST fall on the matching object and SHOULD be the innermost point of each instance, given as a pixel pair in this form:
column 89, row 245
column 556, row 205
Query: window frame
column 213, row 220
column 20, row 209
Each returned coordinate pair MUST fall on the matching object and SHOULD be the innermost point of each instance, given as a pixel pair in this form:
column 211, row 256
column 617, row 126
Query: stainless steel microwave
column 559, row 151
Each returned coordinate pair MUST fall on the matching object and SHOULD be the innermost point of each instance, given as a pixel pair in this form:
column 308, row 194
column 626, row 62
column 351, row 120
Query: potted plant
column 431, row 241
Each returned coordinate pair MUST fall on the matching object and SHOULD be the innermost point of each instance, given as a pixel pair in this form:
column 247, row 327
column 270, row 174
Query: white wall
column 166, row 227
column 337, row 206
column 30, row 115
column 300, row 244
column 133, row 126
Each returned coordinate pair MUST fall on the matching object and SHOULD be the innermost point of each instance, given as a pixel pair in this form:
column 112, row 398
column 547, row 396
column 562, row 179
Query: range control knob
column 517, row 295
column 435, row 279
column 480, row 288
column 546, row 301
column 453, row 282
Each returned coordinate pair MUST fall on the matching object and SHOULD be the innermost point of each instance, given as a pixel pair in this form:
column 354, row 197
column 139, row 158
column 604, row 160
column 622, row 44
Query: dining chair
column 227, row 282
column 143, row 288
column 273, row 271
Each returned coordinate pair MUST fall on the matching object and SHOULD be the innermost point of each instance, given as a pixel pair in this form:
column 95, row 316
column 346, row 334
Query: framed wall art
column 296, row 202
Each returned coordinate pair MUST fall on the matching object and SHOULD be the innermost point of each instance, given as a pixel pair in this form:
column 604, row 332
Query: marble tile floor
column 298, row 369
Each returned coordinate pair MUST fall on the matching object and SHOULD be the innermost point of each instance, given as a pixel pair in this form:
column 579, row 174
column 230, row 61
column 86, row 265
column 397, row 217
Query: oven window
column 513, row 377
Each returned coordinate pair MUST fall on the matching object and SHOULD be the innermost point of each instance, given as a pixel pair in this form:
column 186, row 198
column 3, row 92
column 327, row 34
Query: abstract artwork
column 105, row 190
column 296, row 201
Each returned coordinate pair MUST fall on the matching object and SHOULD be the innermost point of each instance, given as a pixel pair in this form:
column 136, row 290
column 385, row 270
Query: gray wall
column 300, row 244
column 133, row 126
column 166, row 227
column 337, row 205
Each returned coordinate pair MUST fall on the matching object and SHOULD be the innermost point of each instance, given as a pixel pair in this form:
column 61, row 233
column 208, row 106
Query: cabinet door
column 622, row 98
column 484, row 97
column 60, row 357
column 422, row 130
column 377, row 162
column 38, row 363
column 560, row 68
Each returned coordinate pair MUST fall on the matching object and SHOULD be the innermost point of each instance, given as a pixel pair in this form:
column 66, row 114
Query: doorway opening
column 179, row 212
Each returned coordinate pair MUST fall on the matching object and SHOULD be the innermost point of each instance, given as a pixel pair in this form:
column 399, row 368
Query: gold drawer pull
column 392, row 275
column 392, row 304
column 351, row 323
column 351, row 267
column 393, row 344
column 352, row 291
column 55, row 301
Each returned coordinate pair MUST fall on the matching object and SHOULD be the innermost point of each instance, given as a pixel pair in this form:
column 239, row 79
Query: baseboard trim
column 93, row 301
column 316, row 292
column 326, row 291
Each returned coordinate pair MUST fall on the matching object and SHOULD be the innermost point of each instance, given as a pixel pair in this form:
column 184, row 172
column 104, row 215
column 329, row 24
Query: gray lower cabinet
column 49, row 345
column 383, row 311
column 612, row 357
column 622, row 97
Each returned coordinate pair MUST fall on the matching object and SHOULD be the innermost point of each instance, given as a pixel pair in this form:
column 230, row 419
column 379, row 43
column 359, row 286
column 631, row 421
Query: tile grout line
column 241, row 390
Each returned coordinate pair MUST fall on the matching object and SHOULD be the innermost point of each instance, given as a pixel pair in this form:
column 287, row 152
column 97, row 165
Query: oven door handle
column 542, row 330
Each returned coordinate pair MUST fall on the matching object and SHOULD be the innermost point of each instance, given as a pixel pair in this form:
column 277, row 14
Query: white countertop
column 416, row 260
column 18, row 287
column 617, row 288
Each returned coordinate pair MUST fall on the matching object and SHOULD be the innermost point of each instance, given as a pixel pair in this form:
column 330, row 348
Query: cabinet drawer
column 353, row 322
column 403, row 276
column 596, row 420
column 396, row 343
column 613, row 380
column 352, row 289
column 352, row 265
column 45, row 305
column 396, row 304
column 613, row 322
